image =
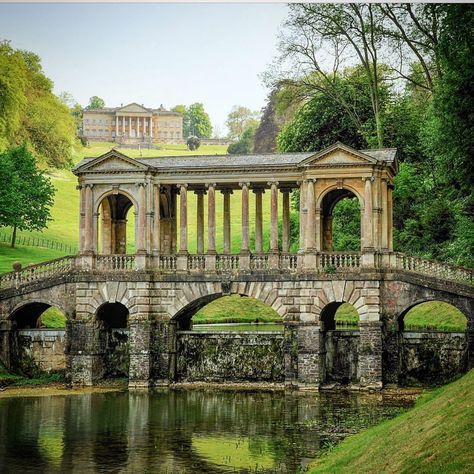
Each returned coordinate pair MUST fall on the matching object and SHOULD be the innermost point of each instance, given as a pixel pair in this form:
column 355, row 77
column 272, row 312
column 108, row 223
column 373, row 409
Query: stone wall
column 44, row 347
column 342, row 356
column 229, row 357
column 117, row 353
column 429, row 358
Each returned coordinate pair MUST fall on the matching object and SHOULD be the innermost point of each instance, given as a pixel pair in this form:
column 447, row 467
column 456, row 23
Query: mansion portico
column 131, row 124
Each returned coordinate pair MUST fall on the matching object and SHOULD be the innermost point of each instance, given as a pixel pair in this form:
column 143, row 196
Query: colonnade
column 143, row 124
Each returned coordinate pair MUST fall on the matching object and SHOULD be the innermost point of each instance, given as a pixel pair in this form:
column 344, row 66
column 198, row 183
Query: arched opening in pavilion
column 113, row 339
column 341, row 338
column 116, row 225
column 340, row 221
column 38, row 339
column 434, row 343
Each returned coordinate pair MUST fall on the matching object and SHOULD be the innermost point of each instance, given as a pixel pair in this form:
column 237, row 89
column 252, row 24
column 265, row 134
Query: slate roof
column 385, row 154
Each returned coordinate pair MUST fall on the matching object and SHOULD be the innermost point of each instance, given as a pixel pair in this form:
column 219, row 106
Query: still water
column 180, row 431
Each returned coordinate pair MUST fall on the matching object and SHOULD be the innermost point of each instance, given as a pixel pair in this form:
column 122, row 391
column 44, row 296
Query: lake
column 182, row 430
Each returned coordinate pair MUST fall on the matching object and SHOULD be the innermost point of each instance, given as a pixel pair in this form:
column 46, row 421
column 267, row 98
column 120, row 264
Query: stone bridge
column 152, row 294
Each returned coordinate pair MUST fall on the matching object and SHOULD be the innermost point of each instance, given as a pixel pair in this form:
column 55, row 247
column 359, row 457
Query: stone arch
column 111, row 192
column 112, row 210
column 112, row 292
column 343, row 291
column 327, row 201
column 453, row 302
column 194, row 297
column 43, row 301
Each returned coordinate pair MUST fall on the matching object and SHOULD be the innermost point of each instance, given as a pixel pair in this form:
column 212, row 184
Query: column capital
column 182, row 185
column 210, row 185
column 141, row 184
column 311, row 180
column 285, row 189
column 88, row 185
column 368, row 178
column 273, row 183
column 200, row 192
column 258, row 190
column 244, row 184
column 226, row 191
column 79, row 186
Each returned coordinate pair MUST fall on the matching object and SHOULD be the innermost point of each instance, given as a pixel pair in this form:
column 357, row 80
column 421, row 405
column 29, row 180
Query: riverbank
column 436, row 436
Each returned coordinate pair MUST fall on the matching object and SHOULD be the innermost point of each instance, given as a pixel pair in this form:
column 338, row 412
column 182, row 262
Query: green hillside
column 436, row 436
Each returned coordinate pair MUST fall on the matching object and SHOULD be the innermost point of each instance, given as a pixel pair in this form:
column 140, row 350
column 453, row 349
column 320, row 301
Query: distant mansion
column 132, row 123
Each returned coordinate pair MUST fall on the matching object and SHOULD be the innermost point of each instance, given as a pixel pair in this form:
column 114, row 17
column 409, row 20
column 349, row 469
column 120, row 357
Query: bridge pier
column 370, row 354
column 86, row 352
column 139, row 340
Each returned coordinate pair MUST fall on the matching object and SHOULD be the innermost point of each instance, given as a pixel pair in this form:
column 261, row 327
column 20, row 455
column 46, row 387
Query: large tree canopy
column 30, row 112
column 26, row 194
column 239, row 119
column 198, row 121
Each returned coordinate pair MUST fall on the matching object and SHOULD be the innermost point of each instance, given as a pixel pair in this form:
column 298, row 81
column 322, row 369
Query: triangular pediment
column 133, row 107
column 110, row 162
column 339, row 154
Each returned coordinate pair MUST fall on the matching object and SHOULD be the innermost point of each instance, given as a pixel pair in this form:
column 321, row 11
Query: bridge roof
column 245, row 162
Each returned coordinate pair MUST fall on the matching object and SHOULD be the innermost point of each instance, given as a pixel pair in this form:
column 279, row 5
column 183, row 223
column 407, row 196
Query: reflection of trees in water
column 176, row 430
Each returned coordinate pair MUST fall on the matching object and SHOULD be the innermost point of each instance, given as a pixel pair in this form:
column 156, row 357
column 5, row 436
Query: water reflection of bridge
column 157, row 289
column 169, row 430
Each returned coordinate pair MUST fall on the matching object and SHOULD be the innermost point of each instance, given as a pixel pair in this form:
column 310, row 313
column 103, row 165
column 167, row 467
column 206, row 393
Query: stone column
column 211, row 227
column 244, row 248
column 390, row 217
column 273, row 256
column 303, row 212
column 156, row 220
column 106, row 229
column 129, row 126
column 120, row 236
column 368, row 256
column 174, row 222
column 384, row 242
column 377, row 214
column 310, row 228
column 116, row 127
column 151, row 127
column 141, row 224
column 327, row 234
column 138, row 127
column 123, row 126
column 318, row 225
column 88, row 216
column 81, row 217
column 286, row 221
column 227, row 236
column 182, row 259
column 200, row 220
column 258, row 220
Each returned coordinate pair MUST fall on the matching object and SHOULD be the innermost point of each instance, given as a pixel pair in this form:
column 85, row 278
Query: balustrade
column 115, row 262
column 31, row 273
column 167, row 262
column 196, row 262
column 339, row 260
column 259, row 262
column 227, row 262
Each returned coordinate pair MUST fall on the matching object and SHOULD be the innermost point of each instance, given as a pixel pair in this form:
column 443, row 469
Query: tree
column 193, row 143
column 181, row 109
column 269, row 127
column 30, row 112
column 239, row 119
column 96, row 102
column 198, row 120
column 321, row 121
column 26, row 194
column 316, row 32
column 245, row 144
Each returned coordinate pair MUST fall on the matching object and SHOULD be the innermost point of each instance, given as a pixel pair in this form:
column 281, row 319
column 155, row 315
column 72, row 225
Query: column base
column 244, row 261
column 368, row 258
column 310, row 261
column 141, row 261
column 274, row 260
column 86, row 261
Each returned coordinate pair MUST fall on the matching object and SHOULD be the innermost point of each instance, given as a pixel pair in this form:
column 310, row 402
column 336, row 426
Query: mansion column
column 129, row 126
column 377, row 214
column 258, row 220
column 303, row 212
column 200, row 220
column 211, row 227
column 138, row 127
column 285, row 238
column 273, row 259
column 227, row 236
column 116, row 127
column 81, row 217
column 123, row 126
column 390, row 216
column 151, row 127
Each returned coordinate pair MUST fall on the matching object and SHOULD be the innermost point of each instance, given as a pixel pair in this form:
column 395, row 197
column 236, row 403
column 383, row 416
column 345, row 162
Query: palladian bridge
column 152, row 293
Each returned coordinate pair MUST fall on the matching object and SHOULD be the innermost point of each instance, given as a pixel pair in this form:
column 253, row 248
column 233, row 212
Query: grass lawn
column 436, row 436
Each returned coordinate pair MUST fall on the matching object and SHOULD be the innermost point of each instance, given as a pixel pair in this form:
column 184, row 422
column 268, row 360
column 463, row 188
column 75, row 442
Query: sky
column 152, row 54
